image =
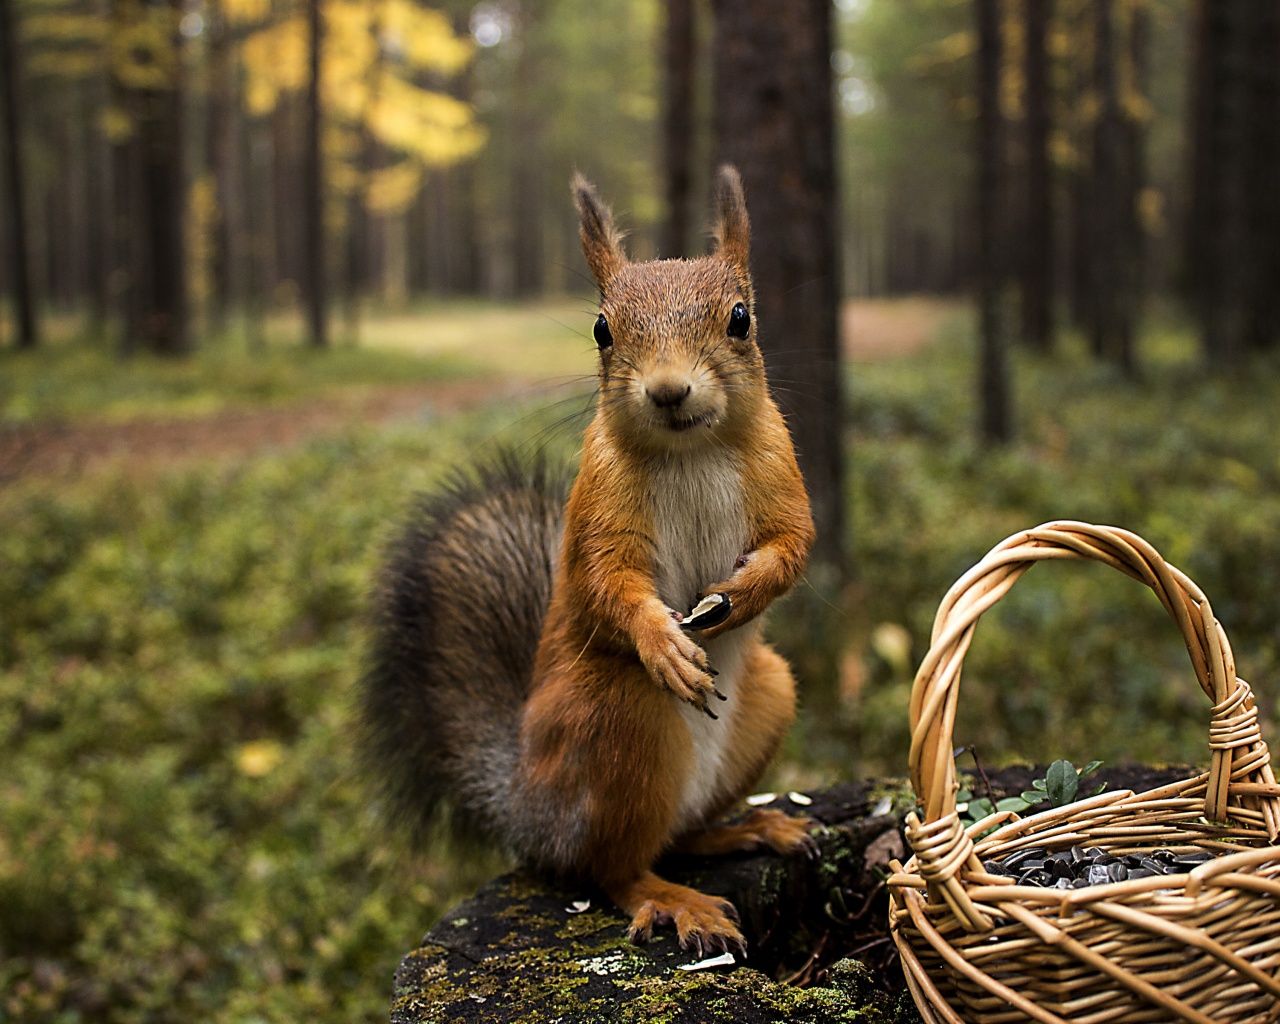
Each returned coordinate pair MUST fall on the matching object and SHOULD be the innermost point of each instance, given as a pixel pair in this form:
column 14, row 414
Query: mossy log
column 521, row 951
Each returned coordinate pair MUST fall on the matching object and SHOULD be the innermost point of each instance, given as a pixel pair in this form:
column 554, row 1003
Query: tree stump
column 522, row 950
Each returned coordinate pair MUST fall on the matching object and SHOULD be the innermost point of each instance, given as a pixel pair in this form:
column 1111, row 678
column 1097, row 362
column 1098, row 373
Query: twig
column 808, row 964
column 986, row 782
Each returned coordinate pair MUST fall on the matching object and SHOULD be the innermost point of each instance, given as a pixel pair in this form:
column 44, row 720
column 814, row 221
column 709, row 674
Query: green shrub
column 182, row 837
column 180, row 833
column 1077, row 661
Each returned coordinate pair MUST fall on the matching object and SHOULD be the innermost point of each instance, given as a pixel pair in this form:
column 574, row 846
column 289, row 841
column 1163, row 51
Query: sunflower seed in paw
column 760, row 799
column 710, row 611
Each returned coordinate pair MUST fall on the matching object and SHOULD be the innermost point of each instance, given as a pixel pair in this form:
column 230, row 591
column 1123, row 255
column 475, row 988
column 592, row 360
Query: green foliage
column 1077, row 659
column 180, row 834
column 181, row 837
column 77, row 378
column 1060, row 786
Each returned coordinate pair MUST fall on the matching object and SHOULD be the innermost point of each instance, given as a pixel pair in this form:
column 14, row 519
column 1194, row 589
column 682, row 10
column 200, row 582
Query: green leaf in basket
column 980, row 808
column 1089, row 769
column 1062, row 783
column 1012, row 803
column 1034, row 796
column 963, row 796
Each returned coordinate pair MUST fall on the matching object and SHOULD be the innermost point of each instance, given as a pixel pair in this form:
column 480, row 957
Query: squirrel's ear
column 732, row 231
column 601, row 241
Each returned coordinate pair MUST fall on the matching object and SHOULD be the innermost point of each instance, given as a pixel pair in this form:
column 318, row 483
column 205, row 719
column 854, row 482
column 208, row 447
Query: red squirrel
column 533, row 670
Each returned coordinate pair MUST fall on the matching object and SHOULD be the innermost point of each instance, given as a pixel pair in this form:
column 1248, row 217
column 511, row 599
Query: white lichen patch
column 614, row 963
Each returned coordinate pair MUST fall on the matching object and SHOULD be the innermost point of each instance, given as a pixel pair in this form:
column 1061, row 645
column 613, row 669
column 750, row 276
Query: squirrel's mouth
column 682, row 423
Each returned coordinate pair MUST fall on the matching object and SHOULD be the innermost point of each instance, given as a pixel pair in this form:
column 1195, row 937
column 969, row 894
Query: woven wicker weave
column 1202, row 946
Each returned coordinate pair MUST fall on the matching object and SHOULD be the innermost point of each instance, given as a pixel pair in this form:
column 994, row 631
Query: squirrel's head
column 679, row 365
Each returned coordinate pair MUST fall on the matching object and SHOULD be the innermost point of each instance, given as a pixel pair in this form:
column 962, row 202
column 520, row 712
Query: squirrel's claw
column 677, row 663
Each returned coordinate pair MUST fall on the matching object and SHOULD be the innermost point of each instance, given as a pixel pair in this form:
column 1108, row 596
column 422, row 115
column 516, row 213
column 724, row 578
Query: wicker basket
column 1200, row 946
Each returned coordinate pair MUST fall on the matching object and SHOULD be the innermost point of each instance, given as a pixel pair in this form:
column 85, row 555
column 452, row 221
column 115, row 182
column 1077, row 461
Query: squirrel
column 533, row 672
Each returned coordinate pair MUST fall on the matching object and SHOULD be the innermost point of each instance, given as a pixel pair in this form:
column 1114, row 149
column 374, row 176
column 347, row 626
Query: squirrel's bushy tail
column 459, row 610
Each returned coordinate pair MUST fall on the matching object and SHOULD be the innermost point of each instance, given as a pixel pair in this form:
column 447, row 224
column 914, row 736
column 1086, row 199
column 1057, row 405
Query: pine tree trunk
column 1112, row 287
column 677, row 125
column 1133, row 280
column 1217, row 227
column 995, row 423
column 526, row 166
column 226, row 260
column 154, row 187
column 100, row 240
column 258, row 226
column 774, row 121
column 313, row 188
column 1261, row 176
column 1075, row 248
column 1037, row 263
column 15, row 177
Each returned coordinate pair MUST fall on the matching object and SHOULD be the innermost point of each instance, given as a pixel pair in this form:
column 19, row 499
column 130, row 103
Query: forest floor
column 182, row 616
column 477, row 342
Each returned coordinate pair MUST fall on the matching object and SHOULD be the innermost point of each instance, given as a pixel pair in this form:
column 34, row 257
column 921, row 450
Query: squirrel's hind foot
column 776, row 830
column 702, row 922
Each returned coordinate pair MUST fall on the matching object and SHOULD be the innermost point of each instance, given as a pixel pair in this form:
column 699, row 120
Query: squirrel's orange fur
column 634, row 734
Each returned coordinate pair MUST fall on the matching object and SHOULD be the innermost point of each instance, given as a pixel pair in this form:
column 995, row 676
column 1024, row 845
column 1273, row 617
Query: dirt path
column 69, row 449
column 878, row 329
column 872, row 330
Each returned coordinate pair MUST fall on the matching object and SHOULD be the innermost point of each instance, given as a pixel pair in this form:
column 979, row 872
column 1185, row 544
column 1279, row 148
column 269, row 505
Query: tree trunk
column 1037, row 263
column 1111, row 291
column 15, row 194
column 1134, row 139
column 993, row 379
column 101, row 239
column 527, row 161
column 313, row 189
column 774, row 120
column 256, row 183
column 677, row 125
column 155, row 188
column 1217, row 226
column 226, row 260
column 1076, row 257
column 1260, row 175
column 1233, row 253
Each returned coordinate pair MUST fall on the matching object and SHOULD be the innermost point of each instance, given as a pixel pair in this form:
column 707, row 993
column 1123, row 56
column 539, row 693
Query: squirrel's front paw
column 677, row 663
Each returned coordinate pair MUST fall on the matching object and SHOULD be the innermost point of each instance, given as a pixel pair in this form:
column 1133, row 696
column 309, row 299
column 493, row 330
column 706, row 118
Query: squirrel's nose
column 667, row 394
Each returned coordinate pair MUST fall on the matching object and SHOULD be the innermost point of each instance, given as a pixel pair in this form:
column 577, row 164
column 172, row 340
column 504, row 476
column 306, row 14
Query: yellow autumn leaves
column 374, row 54
column 371, row 52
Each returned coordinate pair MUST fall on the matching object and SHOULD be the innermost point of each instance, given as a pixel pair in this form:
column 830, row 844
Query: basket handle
column 1238, row 751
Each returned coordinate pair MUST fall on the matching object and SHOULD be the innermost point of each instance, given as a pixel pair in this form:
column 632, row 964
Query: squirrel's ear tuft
column 601, row 241
column 732, row 231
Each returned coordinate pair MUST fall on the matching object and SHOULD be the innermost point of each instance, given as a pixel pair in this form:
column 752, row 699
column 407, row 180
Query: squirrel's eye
column 603, row 338
column 739, row 321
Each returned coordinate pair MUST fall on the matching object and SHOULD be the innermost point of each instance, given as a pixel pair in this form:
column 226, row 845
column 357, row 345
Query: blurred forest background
column 269, row 267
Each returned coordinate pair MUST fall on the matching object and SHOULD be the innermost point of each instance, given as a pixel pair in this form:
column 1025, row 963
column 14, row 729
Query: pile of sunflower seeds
column 1080, row 866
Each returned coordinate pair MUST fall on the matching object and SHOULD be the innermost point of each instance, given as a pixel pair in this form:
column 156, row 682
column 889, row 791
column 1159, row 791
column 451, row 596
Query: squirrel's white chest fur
column 700, row 529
